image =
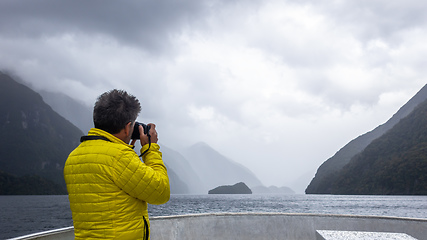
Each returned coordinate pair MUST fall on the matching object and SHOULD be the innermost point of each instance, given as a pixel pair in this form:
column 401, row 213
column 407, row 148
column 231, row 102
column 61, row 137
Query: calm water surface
column 22, row 215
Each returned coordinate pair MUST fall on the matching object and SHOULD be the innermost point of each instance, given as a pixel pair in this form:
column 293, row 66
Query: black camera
column 135, row 133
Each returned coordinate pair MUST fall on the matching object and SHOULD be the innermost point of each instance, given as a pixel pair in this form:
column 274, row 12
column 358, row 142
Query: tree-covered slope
column 395, row 163
column 28, row 185
column 34, row 139
column 328, row 172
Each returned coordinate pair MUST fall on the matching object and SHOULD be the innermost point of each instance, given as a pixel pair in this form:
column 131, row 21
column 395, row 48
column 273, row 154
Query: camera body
column 135, row 133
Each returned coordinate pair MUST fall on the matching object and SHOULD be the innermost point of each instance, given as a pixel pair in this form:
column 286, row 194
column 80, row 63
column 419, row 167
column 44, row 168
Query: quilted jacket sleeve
column 148, row 180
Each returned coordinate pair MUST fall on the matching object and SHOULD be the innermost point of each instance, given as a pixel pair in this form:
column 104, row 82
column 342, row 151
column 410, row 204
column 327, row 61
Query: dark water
column 22, row 215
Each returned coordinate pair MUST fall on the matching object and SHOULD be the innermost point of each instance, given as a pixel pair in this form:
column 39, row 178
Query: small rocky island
column 238, row 188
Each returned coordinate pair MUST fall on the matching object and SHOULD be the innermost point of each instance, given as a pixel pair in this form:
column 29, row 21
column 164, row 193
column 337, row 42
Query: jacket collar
column 109, row 136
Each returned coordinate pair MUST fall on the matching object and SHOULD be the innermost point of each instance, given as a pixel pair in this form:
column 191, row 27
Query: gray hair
column 114, row 109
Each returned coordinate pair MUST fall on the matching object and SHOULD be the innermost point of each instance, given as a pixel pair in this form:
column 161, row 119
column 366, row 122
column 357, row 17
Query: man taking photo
column 108, row 185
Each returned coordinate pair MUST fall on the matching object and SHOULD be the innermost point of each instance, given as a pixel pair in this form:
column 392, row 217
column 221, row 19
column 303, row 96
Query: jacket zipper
column 147, row 231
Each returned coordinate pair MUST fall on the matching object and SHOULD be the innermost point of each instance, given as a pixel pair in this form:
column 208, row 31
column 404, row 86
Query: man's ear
column 128, row 128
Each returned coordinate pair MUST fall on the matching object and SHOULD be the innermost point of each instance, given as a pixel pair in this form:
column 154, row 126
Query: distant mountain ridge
column 330, row 173
column 183, row 178
column 70, row 109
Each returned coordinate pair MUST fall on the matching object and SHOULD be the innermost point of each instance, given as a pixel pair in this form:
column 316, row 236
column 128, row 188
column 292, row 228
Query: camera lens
column 135, row 133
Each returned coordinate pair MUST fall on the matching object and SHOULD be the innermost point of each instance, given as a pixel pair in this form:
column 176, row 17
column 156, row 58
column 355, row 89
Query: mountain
column 76, row 112
column 395, row 163
column 177, row 186
column 215, row 170
column 35, row 140
column 328, row 172
column 183, row 178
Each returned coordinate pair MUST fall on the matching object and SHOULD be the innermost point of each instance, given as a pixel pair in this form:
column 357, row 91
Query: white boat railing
column 60, row 234
column 239, row 226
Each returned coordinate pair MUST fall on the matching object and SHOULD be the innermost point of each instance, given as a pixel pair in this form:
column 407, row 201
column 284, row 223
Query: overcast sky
column 278, row 86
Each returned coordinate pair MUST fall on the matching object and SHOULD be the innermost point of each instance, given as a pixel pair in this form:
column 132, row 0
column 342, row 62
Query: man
column 108, row 185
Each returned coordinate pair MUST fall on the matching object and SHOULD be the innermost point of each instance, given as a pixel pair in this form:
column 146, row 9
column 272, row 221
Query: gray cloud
column 377, row 19
column 146, row 24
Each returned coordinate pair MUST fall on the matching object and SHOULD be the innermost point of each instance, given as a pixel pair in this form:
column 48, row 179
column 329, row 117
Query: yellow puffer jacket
column 109, row 187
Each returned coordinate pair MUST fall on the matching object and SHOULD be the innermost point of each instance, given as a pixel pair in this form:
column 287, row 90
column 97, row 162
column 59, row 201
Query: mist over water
column 21, row 215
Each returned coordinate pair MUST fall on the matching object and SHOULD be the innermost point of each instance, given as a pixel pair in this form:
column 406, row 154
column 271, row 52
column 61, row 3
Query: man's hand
column 143, row 138
column 152, row 132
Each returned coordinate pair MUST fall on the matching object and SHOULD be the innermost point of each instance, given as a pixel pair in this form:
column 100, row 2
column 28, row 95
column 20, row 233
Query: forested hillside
column 35, row 141
column 328, row 172
column 395, row 163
